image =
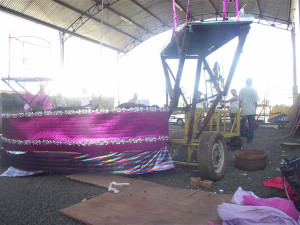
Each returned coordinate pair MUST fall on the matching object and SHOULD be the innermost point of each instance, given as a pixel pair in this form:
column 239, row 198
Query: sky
column 266, row 58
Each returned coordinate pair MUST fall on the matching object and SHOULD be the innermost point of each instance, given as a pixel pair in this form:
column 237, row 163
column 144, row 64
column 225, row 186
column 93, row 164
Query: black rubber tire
column 236, row 143
column 180, row 122
column 212, row 156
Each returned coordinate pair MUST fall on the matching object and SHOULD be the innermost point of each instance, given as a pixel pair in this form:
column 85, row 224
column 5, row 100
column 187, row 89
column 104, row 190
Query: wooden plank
column 145, row 202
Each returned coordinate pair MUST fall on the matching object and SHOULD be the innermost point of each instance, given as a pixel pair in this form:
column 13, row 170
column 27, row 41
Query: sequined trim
column 83, row 112
column 84, row 143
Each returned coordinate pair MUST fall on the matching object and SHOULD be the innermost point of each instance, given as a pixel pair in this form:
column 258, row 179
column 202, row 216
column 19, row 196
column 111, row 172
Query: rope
column 224, row 10
column 237, row 10
column 187, row 11
column 101, row 30
column 175, row 17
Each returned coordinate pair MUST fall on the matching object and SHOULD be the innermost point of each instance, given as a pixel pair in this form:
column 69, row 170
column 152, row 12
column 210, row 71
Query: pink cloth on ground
column 286, row 206
column 239, row 213
column 232, row 214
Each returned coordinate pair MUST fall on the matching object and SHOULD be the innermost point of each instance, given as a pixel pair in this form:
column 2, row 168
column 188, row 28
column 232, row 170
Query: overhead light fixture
column 178, row 6
column 126, row 20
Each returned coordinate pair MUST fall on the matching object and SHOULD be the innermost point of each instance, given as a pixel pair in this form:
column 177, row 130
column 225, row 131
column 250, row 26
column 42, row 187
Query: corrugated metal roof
column 126, row 24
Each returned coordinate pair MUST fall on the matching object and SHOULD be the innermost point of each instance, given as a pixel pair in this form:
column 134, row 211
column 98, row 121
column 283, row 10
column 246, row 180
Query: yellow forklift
column 202, row 141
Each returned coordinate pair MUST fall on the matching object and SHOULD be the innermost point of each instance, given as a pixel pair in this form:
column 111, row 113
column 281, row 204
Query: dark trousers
column 251, row 121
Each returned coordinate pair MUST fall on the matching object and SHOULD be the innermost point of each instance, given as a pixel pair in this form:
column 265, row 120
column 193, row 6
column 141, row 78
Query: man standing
column 85, row 100
column 134, row 99
column 248, row 103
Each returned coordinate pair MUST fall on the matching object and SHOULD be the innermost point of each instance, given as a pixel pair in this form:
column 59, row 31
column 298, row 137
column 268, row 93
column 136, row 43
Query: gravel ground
column 37, row 199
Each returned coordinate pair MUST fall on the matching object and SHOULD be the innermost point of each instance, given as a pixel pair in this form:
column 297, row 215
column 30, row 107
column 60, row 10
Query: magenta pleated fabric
column 93, row 132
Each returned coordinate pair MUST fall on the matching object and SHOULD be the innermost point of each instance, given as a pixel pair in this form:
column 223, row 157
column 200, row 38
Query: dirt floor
column 37, row 199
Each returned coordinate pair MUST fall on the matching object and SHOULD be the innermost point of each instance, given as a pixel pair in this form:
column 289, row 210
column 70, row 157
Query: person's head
column 249, row 82
column 233, row 92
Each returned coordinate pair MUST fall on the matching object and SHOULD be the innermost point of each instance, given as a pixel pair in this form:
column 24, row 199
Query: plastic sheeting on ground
column 291, row 171
column 70, row 162
column 262, row 212
column 15, row 172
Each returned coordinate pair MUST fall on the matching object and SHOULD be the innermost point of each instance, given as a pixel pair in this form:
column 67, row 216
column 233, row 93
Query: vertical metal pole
column 9, row 46
column 118, row 80
column 168, row 81
column 62, row 48
column 193, row 108
column 23, row 59
column 299, row 13
column 295, row 87
column 167, row 98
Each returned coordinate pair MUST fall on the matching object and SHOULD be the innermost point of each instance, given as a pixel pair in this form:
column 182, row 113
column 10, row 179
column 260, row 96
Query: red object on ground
column 277, row 183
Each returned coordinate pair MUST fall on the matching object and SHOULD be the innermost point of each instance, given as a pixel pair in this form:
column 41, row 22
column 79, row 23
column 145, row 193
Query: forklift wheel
column 236, row 143
column 212, row 156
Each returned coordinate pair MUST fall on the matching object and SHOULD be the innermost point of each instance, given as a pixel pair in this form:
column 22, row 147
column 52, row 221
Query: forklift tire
column 212, row 156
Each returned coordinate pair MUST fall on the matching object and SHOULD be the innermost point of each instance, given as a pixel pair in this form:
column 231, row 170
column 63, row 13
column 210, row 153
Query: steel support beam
column 299, row 13
column 144, row 37
column 168, row 81
column 295, row 86
column 150, row 13
column 181, row 49
column 88, row 16
column 258, row 7
column 13, row 12
column 107, row 6
column 190, row 17
column 175, row 100
column 172, row 75
column 194, row 101
column 213, row 5
column 290, row 8
column 62, row 48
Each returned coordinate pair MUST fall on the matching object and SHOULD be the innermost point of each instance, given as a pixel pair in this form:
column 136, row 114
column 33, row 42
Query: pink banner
column 87, row 133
